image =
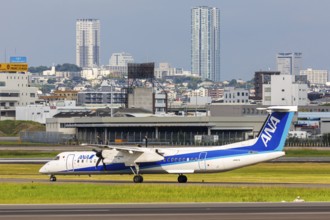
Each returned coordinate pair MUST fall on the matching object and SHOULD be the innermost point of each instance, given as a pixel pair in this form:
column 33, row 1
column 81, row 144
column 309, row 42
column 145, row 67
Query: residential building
column 216, row 94
column 289, row 63
column 118, row 63
column 67, row 94
column 15, row 91
column 120, row 59
column 106, row 95
column 165, row 70
column 205, row 42
column 236, row 95
column 316, row 77
column 87, row 42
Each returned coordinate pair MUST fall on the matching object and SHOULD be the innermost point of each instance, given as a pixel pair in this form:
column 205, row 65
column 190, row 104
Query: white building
column 165, row 69
column 15, row 91
column 118, row 63
column 289, row 63
column 39, row 113
column 235, row 95
column 316, row 77
column 90, row 73
column 87, row 42
column 282, row 90
column 205, row 42
column 50, row 72
column 120, row 59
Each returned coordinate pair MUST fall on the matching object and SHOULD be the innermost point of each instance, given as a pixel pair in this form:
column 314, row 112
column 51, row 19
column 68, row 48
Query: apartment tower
column 87, row 42
column 205, row 42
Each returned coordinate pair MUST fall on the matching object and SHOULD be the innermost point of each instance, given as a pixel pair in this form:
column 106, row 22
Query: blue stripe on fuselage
column 173, row 160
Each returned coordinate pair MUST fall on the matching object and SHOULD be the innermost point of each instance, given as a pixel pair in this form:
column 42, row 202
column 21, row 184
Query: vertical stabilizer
column 273, row 134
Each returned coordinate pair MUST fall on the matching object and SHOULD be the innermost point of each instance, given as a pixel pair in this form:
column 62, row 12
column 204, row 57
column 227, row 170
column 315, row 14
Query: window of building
column 2, row 83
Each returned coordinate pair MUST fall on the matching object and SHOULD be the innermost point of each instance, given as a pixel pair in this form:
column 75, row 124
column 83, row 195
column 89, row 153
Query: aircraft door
column 69, row 162
column 202, row 160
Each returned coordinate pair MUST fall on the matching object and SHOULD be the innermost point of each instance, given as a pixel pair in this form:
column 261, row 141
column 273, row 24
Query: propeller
column 101, row 158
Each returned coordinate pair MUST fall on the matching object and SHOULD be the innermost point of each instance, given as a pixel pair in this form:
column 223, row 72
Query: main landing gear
column 182, row 178
column 52, row 178
column 138, row 179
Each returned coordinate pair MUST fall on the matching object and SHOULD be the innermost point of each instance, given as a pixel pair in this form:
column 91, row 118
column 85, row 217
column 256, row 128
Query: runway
column 191, row 211
column 129, row 181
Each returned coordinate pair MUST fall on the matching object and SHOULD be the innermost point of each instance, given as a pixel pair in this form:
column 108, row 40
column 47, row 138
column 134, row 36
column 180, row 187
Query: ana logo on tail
column 270, row 129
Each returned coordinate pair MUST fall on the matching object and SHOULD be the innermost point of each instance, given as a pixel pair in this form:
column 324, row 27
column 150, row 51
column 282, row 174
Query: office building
column 87, row 42
column 205, row 42
column 289, row 63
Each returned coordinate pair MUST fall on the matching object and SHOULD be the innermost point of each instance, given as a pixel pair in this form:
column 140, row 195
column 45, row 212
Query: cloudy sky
column 252, row 31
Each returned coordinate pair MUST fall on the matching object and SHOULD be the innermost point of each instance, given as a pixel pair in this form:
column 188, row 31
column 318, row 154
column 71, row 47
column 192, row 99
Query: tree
column 38, row 69
column 67, row 67
column 233, row 83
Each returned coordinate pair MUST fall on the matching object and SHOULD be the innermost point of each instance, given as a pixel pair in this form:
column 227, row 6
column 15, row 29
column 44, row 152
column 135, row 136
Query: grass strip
column 26, row 154
column 38, row 193
column 307, row 152
column 316, row 173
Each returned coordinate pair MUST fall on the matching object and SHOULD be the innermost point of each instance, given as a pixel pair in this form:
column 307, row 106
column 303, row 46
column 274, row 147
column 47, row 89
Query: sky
column 252, row 31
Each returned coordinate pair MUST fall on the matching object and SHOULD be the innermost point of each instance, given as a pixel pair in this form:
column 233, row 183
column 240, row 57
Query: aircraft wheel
column 52, row 178
column 182, row 179
column 138, row 179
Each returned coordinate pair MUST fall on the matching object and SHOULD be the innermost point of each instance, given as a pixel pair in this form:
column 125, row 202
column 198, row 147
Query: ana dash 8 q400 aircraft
column 184, row 160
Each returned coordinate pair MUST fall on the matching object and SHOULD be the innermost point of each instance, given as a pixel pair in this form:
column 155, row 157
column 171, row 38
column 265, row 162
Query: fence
column 162, row 138
column 47, row 137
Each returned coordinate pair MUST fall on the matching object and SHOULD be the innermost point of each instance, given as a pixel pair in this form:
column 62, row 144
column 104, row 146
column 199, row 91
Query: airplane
column 268, row 145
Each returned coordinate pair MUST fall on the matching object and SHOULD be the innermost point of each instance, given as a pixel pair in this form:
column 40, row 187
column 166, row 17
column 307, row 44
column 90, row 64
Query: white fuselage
column 176, row 160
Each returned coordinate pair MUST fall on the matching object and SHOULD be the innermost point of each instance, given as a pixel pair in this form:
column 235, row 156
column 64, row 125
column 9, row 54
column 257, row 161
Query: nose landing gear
column 52, row 178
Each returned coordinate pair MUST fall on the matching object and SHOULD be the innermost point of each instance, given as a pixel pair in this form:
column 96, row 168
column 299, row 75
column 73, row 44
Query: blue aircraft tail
column 273, row 134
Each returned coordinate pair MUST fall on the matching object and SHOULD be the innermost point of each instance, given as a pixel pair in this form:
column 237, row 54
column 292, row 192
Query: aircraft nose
column 44, row 169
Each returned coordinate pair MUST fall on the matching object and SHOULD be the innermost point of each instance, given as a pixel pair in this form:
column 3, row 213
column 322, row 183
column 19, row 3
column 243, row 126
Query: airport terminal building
column 224, row 125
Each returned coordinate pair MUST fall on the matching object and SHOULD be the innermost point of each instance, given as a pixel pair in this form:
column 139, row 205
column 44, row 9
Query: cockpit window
column 57, row 158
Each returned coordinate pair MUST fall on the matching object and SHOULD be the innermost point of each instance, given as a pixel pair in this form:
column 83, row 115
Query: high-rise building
column 289, row 63
column 87, row 42
column 205, row 42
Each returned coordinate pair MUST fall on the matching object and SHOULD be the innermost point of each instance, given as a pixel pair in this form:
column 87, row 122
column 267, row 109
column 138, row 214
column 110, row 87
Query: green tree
column 38, row 69
column 67, row 67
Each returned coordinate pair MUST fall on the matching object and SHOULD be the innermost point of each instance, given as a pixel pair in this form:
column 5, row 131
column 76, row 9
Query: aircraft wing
column 132, row 155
